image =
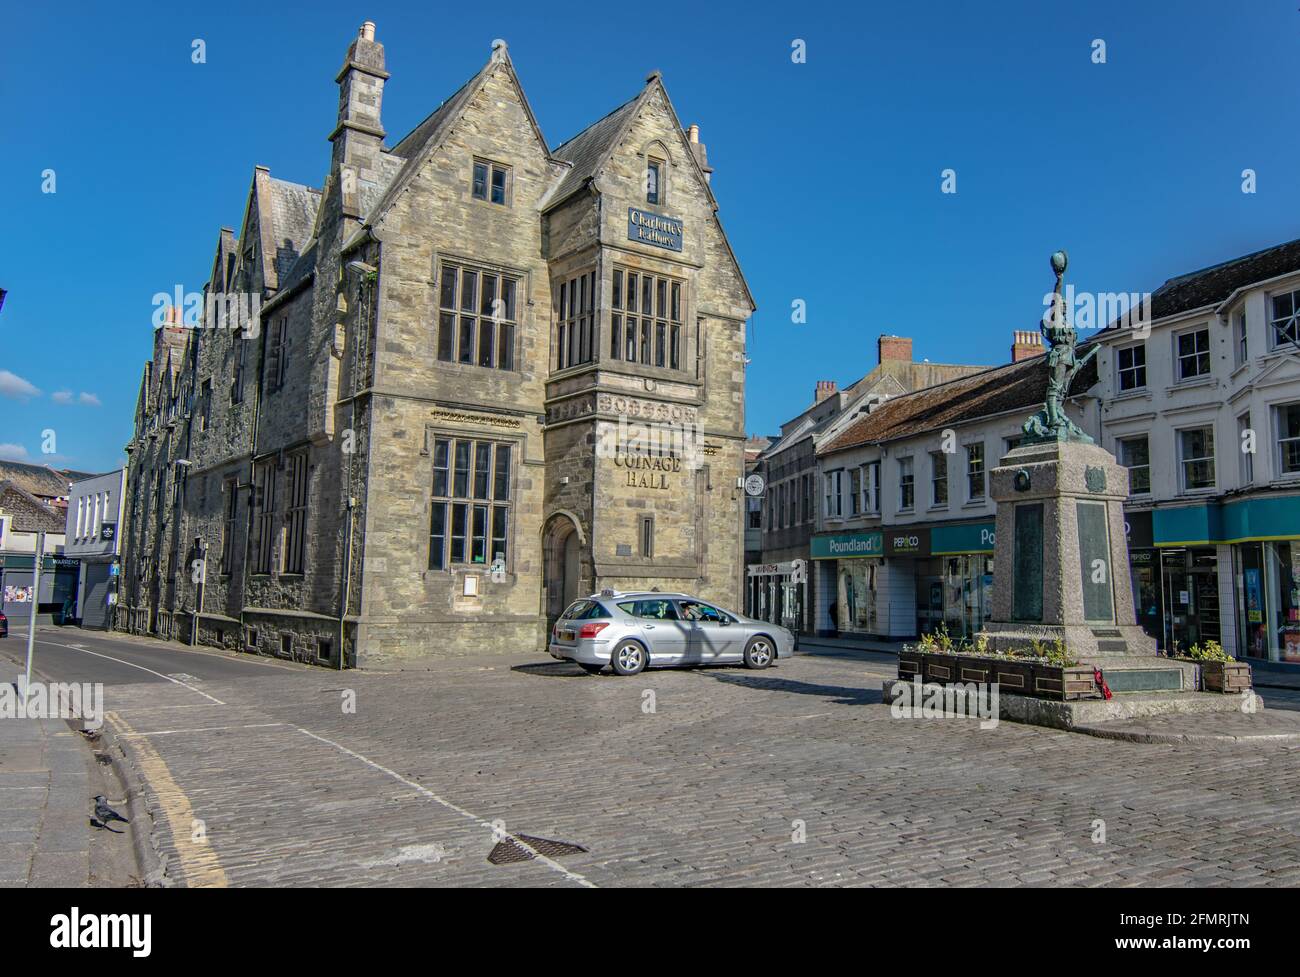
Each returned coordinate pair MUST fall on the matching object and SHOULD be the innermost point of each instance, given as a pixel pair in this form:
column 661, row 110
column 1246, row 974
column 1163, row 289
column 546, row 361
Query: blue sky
column 827, row 172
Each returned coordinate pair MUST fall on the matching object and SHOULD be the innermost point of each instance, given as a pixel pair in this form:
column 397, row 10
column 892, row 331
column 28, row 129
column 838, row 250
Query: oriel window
column 575, row 331
column 646, row 319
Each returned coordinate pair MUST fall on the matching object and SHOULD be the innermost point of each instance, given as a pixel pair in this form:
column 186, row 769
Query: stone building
column 485, row 376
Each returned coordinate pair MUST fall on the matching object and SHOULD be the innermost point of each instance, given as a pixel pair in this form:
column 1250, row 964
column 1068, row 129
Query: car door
column 665, row 634
column 715, row 634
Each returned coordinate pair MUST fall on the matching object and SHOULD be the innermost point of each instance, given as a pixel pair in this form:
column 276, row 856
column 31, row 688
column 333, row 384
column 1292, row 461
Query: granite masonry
column 484, row 376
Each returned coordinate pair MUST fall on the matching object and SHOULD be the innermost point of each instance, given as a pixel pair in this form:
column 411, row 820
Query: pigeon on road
column 96, row 823
column 104, row 813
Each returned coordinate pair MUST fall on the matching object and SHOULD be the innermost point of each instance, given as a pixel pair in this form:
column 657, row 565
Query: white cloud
column 12, row 385
column 89, row 400
column 13, row 452
column 61, row 396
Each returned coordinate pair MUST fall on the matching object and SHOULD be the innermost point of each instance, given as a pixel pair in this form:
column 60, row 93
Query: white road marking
column 549, row 863
column 59, row 644
column 204, row 729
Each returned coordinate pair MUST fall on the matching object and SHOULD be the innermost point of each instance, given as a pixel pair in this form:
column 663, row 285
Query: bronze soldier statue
column 1063, row 364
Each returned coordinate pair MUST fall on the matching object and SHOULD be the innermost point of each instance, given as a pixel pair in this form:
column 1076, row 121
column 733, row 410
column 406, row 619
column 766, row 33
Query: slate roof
column 588, row 149
column 293, row 215
column 1212, row 285
column 41, row 481
column 1016, row 386
column 30, row 513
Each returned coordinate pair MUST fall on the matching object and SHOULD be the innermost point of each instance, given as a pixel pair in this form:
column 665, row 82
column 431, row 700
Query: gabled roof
column 1212, row 285
column 423, row 141
column 1016, row 386
column 40, row 481
column 588, row 150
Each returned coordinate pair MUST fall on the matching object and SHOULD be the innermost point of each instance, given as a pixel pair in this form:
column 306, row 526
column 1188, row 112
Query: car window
column 658, row 610
column 694, row 610
column 582, row 610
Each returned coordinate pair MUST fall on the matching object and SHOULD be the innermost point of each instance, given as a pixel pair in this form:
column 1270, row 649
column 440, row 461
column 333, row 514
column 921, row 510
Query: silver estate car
column 632, row 631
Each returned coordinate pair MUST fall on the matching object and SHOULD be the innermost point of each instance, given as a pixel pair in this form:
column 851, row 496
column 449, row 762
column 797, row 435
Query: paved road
column 262, row 773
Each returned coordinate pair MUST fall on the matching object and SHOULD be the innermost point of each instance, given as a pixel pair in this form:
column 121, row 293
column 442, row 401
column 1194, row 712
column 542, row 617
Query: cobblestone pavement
column 793, row 776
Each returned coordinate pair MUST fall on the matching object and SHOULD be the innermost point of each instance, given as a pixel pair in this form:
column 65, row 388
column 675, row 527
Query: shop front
column 1144, row 571
column 1257, row 613
column 59, row 576
column 853, row 561
column 777, row 592
column 952, row 570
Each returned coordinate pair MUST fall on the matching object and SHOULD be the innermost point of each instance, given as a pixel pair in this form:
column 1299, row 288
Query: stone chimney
column 358, row 137
column 700, row 150
column 1024, row 344
column 824, row 389
column 894, row 349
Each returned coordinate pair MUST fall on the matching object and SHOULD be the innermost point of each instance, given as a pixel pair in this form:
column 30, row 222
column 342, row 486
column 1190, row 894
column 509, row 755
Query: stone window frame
column 655, row 151
column 298, row 469
column 263, row 502
column 491, row 167
column 514, row 447
column 669, row 296
column 579, row 318
column 229, row 520
column 462, row 264
column 646, row 537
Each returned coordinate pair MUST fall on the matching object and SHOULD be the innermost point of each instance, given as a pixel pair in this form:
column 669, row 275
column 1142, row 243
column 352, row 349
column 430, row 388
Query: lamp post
column 31, row 621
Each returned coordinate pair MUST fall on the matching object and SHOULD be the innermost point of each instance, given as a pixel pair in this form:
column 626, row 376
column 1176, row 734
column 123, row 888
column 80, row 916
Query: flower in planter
column 1211, row 651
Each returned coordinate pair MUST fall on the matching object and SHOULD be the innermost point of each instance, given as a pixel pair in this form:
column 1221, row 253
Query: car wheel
column 759, row 653
column 629, row 658
column 591, row 669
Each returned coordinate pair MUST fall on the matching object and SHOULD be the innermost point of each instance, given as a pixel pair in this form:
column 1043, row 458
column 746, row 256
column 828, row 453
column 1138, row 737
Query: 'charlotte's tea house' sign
column 648, row 228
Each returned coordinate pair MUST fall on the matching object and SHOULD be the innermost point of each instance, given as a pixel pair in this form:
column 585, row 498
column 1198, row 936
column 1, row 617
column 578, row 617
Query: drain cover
column 510, row 851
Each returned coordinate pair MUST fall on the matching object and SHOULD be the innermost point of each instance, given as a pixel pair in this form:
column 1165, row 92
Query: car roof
column 640, row 595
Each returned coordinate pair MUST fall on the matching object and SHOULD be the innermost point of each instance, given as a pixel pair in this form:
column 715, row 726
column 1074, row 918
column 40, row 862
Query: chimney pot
column 823, row 390
column 1025, row 344
column 693, row 133
column 368, row 30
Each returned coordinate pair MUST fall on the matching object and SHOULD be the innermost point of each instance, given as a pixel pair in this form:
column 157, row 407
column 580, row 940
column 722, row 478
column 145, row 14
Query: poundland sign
column 648, row 228
column 847, row 546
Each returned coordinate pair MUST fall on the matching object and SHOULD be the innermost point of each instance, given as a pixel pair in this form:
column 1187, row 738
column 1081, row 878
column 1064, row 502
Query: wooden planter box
column 1015, row 677
column 1062, row 683
column 911, row 663
column 940, row 669
column 1225, row 677
column 972, row 668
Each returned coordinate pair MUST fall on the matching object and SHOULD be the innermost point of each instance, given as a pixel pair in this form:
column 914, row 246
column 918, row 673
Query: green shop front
column 1256, row 614
column 59, row 576
column 848, row 574
column 952, row 567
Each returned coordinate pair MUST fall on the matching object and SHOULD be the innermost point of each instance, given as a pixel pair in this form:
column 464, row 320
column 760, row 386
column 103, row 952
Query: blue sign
column 647, row 228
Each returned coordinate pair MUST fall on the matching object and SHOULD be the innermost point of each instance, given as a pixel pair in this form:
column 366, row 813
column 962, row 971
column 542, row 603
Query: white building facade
column 1202, row 404
column 95, row 507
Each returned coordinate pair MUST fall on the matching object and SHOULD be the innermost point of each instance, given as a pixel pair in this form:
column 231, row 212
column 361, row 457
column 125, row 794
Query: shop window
column 1288, row 439
column 470, row 504
column 1193, row 353
column 1132, row 364
column 975, row 482
column 1196, row 458
column 938, row 478
column 477, row 317
column 491, row 182
column 1285, row 322
column 1135, row 455
column 906, row 484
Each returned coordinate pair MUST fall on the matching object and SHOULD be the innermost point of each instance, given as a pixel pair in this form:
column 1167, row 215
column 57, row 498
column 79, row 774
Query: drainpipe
column 347, row 578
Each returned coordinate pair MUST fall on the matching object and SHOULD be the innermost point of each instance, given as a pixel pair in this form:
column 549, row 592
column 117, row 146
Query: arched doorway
column 562, row 554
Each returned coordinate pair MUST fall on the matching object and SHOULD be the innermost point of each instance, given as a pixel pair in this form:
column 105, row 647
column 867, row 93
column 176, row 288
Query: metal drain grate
column 509, row 851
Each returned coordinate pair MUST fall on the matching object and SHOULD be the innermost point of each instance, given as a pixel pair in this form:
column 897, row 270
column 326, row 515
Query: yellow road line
column 199, row 863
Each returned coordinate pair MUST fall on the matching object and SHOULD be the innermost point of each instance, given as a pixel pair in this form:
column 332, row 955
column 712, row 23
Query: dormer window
column 491, row 182
column 652, row 182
